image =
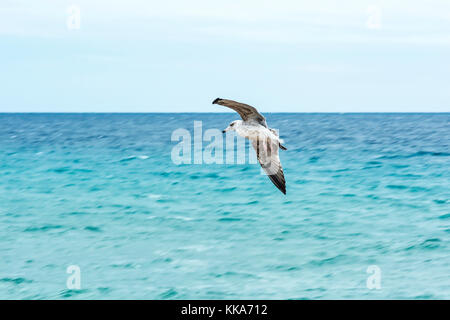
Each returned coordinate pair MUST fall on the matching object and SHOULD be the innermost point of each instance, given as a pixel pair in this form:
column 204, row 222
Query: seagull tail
column 282, row 147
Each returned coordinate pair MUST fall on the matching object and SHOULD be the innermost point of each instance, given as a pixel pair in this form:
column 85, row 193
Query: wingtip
column 280, row 184
column 216, row 100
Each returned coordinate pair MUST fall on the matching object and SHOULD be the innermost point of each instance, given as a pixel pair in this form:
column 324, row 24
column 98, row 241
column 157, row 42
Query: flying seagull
column 264, row 140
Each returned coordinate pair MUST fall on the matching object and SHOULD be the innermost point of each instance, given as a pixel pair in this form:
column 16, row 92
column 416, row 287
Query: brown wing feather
column 245, row 111
column 267, row 153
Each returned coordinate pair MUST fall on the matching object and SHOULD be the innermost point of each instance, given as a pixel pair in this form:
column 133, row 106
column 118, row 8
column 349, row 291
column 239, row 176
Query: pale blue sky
column 293, row 56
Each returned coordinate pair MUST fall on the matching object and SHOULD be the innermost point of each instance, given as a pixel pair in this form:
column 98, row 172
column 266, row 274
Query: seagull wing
column 267, row 154
column 246, row 112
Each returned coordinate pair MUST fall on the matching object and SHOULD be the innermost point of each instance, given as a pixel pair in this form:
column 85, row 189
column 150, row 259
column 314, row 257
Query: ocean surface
column 102, row 192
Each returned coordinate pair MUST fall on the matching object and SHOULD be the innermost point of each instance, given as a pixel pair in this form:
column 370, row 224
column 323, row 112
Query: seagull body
column 252, row 131
column 265, row 140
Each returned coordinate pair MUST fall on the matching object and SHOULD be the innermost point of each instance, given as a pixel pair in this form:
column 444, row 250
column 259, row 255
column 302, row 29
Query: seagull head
column 232, row 126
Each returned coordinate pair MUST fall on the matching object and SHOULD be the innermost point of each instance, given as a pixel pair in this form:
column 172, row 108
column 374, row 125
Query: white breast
column 253, row 132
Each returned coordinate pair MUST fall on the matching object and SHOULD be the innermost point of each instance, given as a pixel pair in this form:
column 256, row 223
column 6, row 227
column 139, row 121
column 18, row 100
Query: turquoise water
column 100, row 191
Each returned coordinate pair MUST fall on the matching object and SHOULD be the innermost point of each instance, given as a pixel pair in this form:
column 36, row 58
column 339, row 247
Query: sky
column 178, row 56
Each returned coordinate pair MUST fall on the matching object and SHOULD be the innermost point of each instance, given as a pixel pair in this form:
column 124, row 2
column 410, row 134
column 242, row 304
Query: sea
column 95, row 206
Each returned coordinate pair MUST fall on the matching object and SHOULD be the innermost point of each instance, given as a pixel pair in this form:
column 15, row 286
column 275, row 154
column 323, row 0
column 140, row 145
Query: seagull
column 265, row 140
